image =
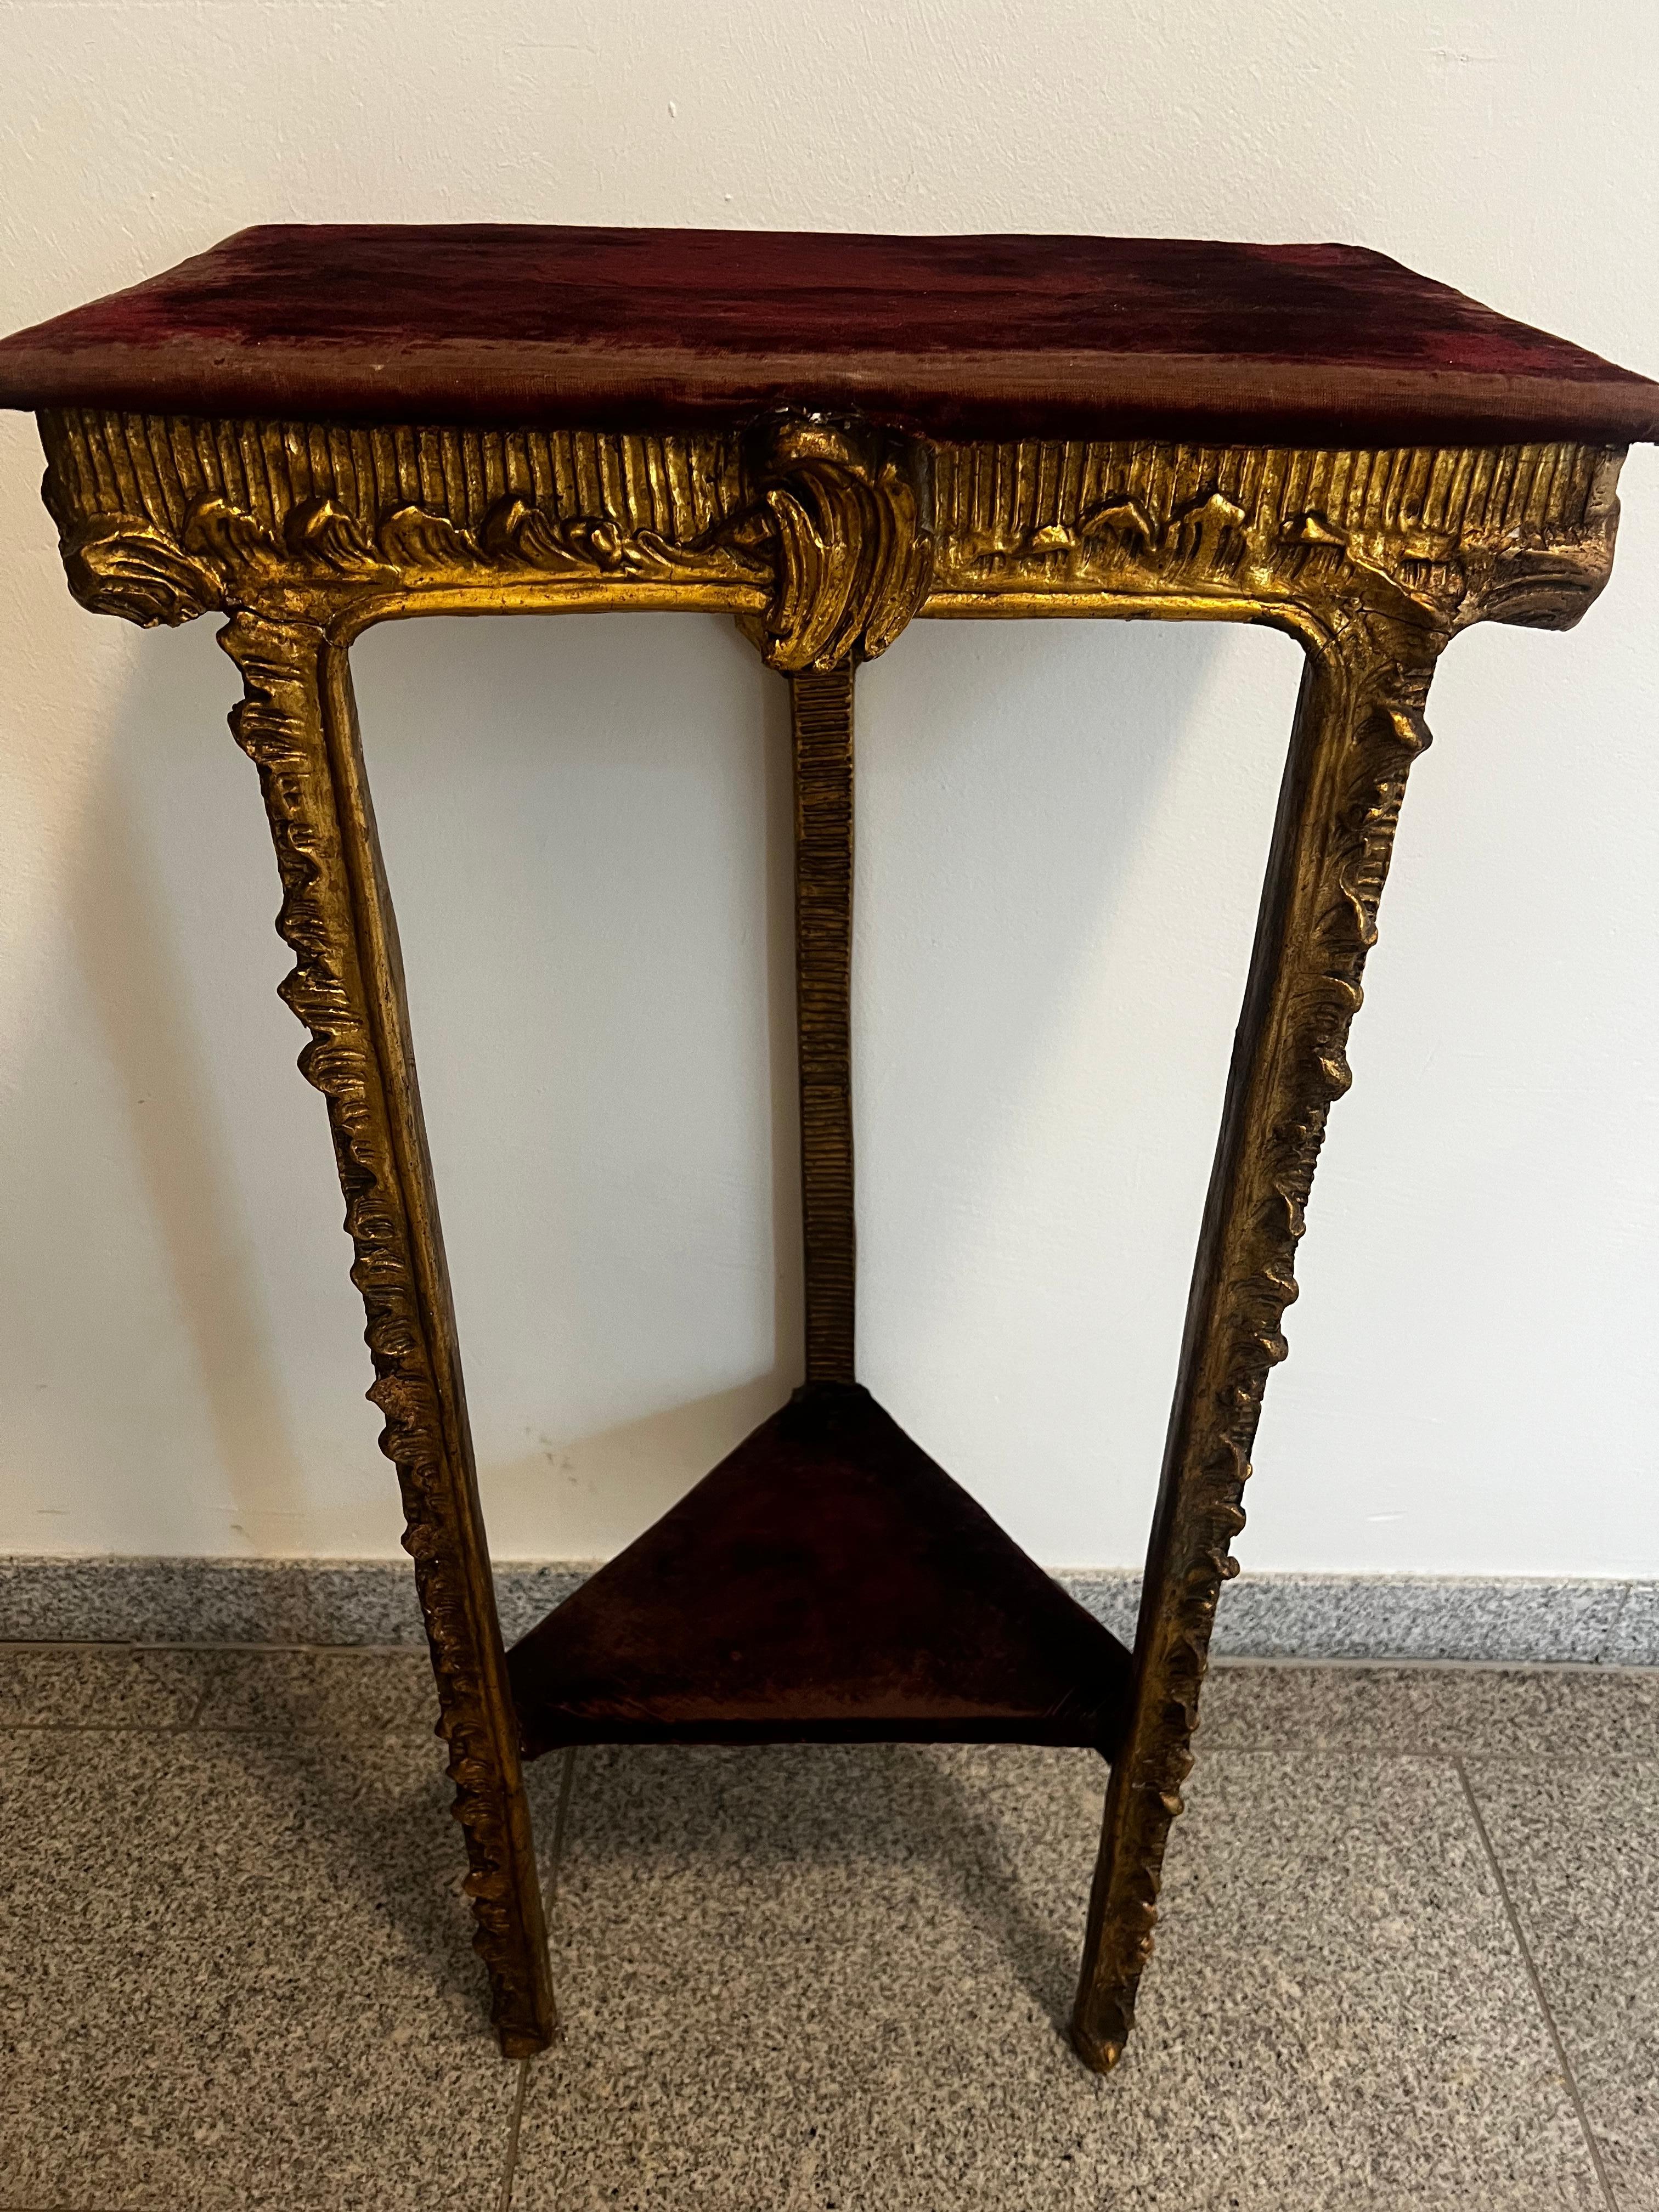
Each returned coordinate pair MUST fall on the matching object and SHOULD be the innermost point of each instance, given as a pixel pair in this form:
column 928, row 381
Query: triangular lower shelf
column 828, row 1583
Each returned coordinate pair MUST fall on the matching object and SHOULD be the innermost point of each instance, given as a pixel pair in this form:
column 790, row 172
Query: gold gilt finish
column 824, row 538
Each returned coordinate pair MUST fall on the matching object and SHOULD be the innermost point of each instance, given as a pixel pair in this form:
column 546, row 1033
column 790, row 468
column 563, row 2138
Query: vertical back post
column 821, row 725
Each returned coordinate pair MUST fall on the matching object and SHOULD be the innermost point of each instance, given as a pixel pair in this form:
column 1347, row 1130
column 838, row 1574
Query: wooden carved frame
column 824, row 537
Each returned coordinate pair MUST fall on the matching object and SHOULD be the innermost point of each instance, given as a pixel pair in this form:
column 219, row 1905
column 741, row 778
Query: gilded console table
column 309, row 430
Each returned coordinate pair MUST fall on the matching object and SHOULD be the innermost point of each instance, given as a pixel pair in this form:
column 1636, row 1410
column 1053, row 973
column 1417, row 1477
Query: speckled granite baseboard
column 187, row 1600
column 1264, row 1616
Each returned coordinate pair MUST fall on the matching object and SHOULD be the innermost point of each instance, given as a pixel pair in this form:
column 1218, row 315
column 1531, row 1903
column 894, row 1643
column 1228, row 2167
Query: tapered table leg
column 298, row 723
column 1358, row 727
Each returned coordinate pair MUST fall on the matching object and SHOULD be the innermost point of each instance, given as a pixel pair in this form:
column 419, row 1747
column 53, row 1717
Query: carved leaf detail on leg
column 1359, row 727
column 283, row 725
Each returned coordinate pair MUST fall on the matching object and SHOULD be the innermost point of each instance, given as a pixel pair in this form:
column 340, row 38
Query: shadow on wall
column 613, row 1110
column 1063, row 826
column 124, row 933
column 587, row 825
column 1006, row 795
column 587, row 831
column 148, row 1130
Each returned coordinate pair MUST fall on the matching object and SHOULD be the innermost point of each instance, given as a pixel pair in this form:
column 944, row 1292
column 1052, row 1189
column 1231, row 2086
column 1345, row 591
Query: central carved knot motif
column 848, row 510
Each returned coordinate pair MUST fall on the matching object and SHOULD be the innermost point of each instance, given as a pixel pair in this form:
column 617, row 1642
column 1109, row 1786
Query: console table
column 311, row 429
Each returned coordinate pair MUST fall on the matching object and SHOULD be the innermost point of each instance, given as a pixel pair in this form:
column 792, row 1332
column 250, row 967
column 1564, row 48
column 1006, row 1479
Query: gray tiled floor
column 1408, row 1959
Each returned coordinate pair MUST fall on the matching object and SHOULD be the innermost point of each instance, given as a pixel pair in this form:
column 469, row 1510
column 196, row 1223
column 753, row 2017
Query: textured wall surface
column 1060, row 833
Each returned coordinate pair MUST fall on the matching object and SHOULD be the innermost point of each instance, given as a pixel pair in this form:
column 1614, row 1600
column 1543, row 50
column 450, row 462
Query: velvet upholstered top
column 955, row 337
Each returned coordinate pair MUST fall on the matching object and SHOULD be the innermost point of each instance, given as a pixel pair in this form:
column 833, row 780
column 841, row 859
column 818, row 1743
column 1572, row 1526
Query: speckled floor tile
column 1585, row 1713
column 235, row 1972
column 1580, row 1854
column 799, row 1979
column 99, row 1686
column 321, row 1693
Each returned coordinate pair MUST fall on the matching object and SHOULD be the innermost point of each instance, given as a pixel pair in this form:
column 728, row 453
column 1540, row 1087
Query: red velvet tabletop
column 967, row 337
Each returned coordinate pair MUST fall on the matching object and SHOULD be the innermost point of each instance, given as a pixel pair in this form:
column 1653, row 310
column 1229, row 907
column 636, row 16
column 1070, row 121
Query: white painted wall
column 1061, row 827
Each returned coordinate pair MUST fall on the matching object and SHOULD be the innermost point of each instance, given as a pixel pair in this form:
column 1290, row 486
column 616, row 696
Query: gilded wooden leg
column 821, row 725
column 298, row 723
column 1358, row 727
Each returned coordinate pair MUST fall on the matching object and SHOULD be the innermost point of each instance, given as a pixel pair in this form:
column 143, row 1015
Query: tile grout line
column 1346, row 1663
column 1589, row 1762
column 509, row 2170
column 1591, row 2143
column 212, row 1675
column 550, row 1892
column 1610, row 1641
column 567, row 1780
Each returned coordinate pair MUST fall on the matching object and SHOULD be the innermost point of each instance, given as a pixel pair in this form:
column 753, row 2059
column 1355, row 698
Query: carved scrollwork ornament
column 850, row 510
column 824, row 535
column 122, row 565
